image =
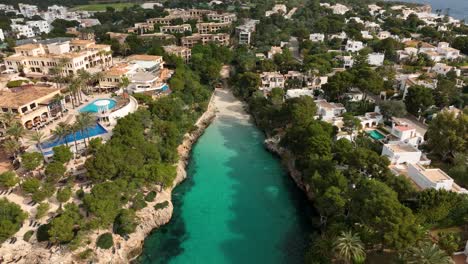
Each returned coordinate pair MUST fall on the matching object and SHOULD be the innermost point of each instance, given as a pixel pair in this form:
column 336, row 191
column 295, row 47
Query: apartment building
column 183, row 52
column 211, row 27
column 176, row 28
column 354, row 46
column 245, row 31
column 141, row 28
column 28, row 10
column 33, row 105
column 36, row 60
column 190, row 41
column 222, row 17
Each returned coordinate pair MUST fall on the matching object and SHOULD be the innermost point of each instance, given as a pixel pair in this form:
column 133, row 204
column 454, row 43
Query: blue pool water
column 93, row 108
column 92, row 131
column 164, row 87
column 376, row 135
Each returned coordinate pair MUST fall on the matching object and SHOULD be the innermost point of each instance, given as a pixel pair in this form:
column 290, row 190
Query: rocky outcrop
column 124, row 250
column 288, row 160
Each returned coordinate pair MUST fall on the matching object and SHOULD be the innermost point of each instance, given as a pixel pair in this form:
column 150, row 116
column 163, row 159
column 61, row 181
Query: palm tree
column 38, row 137
column 11, row 147
column 73, row 129
column 84, row 121
column 61, row 131
column 16, row 131
column 97, row 78
column 349, row 247
column 124, row 83
column 7, row 118
column 85, row 77
column 426, row 253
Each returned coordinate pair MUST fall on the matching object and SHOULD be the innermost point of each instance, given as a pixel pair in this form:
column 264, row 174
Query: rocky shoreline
column 288, row 161
column 124, row 250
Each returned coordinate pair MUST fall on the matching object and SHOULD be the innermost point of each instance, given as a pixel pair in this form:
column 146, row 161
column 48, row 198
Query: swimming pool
column 92, row 131
column 94, row 108
column 164, row 87
column 375, row 135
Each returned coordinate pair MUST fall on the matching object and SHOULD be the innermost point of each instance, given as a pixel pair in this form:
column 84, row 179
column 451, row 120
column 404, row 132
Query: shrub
column 16, row 83
column 139, row 202
column 162, row 205
column 28, row 235
column 86, row 254
column 105, row 241
column 8, row 179
column 125, row 223
column 143, row 98
column 80, row 194
column 150, row 196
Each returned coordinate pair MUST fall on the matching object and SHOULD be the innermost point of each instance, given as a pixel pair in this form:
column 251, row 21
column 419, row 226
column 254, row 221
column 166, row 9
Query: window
column 32, row 106
column 24, row 109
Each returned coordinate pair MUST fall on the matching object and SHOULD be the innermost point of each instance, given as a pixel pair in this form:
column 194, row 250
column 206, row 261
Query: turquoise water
column 93, row 108
column 92, row 131
column 237, row 205
column 376, row 135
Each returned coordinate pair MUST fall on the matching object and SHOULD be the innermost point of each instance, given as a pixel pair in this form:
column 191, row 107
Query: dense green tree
column 62, row 227
column 390, row 223
column 42, row 210
column 446, row 135
column 8, row 179
column 64, row 195
column 391, row 109
column 11, row 219
column 418, row 99
column 31, row 160
column 125, row 223
column 62, row 154
column 55, row 171
column 31, row 185
column 105, row 241
column 461, row 43
column 246, row 84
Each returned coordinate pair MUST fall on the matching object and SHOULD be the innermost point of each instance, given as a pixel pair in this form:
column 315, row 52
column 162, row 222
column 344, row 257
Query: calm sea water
column 237, row 206
column 458, row 8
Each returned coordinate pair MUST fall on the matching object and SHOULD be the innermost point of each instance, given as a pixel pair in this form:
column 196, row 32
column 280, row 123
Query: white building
column 271, row 80
column 339, row 9
column 7, row 8
column 432, row 178
column 354, row 46
column 444, row 49
column 328, row 111
column 384, row 35
column 400, row 153
column 273, row 51
column 277, row 9
column 22, row 30
column 348, row 61
column 295, row 93
column 2, row 36
column 366, row 35
column 246, row 30
column 406, row 134
column 39, row 26
column 28, row 10
column 376, row 59
column 317, row 37
column 443, row 69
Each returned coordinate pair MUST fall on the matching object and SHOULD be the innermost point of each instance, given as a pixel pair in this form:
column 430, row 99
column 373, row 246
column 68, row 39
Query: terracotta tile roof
column 16, row 97
column 404, row 128
column 143, row 57
column 81, row 42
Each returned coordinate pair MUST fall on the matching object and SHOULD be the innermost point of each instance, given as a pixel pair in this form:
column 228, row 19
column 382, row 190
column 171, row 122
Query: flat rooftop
column 402, row 148
column 434, row 175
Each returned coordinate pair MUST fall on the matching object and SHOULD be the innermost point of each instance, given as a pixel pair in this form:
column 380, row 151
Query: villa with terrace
column 410, row 162
column 33, row 105
column 36, row 59
column 146, row 73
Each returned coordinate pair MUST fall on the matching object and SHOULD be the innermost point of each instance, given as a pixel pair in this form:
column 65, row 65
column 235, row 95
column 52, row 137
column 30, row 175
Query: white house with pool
column 145, row 73
column 107, row 111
